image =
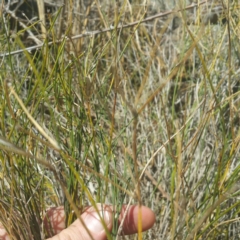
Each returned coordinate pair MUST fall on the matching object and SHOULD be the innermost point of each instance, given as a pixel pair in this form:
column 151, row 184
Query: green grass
column 142, row 114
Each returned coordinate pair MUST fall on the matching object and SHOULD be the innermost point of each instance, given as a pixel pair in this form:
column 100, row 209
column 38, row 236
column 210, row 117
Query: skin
column 55, row 226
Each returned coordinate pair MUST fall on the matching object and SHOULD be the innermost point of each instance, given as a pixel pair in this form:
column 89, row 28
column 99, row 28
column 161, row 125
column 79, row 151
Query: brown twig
column 93, row 33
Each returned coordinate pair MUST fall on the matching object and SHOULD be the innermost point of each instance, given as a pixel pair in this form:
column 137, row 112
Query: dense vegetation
column 118, row 102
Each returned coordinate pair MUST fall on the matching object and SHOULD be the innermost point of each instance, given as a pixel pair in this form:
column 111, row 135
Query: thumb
column 89, row 226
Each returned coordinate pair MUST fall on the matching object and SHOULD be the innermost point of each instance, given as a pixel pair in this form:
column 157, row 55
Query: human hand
column 55, row 221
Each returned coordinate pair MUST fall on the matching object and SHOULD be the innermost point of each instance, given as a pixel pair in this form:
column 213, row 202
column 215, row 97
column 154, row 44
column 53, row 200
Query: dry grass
column 147, row 113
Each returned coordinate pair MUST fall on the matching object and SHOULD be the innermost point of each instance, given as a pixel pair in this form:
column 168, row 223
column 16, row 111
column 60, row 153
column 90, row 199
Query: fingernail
column 93, row 221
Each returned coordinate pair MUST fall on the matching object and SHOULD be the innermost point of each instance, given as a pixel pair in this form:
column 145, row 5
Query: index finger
column 130, row 224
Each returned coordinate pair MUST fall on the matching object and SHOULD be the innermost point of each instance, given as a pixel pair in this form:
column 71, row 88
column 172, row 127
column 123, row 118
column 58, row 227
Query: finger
column 130, row 224
column 54, row 221
column 88, row 227
column 3, row 233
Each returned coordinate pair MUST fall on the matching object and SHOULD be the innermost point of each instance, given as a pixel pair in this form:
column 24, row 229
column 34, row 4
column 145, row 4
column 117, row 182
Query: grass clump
column 144, row 113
